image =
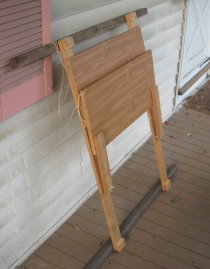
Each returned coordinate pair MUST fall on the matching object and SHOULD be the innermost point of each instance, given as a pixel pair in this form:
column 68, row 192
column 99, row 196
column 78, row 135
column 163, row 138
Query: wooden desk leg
column 107, row 203
column 155, row 120
column 165, row 182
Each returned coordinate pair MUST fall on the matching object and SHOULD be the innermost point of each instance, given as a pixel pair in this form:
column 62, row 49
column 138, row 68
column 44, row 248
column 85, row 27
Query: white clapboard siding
column 68, row 8
column 45, row 170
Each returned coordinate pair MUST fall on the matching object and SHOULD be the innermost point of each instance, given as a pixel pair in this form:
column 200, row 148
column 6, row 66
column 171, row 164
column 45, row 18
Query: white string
column 59, row 96
column 77, row 106
column 61, row 89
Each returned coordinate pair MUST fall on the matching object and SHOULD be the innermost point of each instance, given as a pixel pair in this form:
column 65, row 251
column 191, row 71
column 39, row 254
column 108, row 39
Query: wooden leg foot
column 167, row 185
column 120, row 245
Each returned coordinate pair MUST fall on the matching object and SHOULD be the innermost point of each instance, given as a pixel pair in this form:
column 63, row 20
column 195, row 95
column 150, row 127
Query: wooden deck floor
column 170, row 235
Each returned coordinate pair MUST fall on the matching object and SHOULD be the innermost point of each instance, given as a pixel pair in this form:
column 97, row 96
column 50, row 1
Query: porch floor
column 174, row 233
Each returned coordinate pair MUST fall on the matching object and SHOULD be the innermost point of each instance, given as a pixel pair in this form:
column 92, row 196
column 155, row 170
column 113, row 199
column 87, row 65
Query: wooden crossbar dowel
column 41, row 52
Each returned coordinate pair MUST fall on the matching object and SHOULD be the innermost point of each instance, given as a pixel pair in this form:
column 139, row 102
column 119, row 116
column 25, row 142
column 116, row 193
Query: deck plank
column 142, row 250
column 58, row 258
column 194, row 116
column 36, row 262
column 149, row 239
column 70, row 247
column 179, row 214
column 172, row 236
column 187, row 164
column 179, row 133
column 181, row 174
column 183, row 142
column 194, row 185
column 189, row 126
column 194, row 123
column 199, row 199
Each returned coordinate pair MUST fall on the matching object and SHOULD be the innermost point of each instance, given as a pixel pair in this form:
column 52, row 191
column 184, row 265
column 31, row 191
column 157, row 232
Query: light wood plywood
column 114, row 102
column 96, row 62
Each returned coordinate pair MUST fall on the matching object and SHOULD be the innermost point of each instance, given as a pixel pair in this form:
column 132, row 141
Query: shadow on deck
column 174, row 233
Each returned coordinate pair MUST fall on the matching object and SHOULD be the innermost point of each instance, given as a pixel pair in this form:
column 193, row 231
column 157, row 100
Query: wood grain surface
column 96, row 62
column 112, row 103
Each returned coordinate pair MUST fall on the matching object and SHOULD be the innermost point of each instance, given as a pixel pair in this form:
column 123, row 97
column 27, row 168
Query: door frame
column 180, row 98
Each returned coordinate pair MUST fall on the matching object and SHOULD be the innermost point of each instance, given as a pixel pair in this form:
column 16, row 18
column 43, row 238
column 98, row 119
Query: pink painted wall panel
column 15, row 99
column 24, row 25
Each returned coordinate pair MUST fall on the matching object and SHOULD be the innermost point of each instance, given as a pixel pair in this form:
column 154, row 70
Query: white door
column 196, row 46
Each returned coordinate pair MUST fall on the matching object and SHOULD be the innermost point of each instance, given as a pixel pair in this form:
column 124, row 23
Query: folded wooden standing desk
column 113, row 84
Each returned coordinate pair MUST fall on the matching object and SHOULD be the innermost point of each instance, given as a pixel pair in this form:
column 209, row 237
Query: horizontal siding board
column 49, row 207
column 14, row 169
column 23, row 139
column 163, row 10
column 162, row 38
column 50, row 142
column 6, row 215
column 68, row 8
column 10, row 191
column 13, row 126
column 167, row 87
column 65, row 170
column 45, row 147
column 163, row 79
column 44, row 165
column 162, row 52
column 10, row 246
column 169, row 61
column 61, row 27
column 162, row 25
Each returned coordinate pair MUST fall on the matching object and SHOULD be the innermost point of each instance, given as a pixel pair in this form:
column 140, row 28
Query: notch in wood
column 131, row 20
